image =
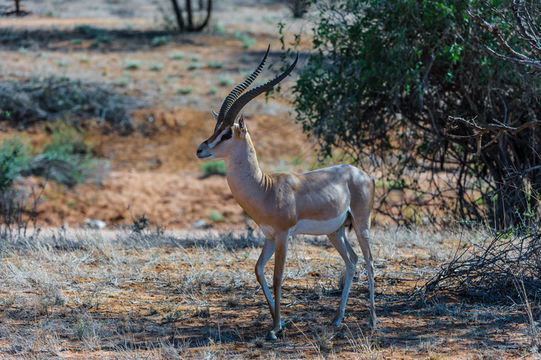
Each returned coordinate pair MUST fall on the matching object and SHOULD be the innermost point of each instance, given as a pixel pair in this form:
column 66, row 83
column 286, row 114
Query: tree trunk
column 178, row 15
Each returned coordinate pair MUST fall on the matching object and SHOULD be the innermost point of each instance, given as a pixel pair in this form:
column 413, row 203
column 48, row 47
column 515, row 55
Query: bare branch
column 527, row 61
column 525, row 24
column 479, row 131
column 525, row 28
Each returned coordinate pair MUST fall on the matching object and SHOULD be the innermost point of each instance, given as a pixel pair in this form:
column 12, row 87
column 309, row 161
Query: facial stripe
column 218, row 138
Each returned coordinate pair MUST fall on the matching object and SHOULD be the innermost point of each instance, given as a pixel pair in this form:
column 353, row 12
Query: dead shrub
column 17, row 213
column 25, row 102
column 489, row 271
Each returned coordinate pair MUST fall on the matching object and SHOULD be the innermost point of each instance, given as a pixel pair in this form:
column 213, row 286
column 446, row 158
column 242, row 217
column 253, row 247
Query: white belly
column 319, row 227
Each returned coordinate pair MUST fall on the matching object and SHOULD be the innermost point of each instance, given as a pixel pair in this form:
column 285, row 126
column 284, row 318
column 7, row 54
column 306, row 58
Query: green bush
column 185, row 90
column 156, row 67
column 225, row 80
column 160, row 40
column 382, row 82
column 67, row 159
column 213, row 168
column 245, row 39
column 215, row 216
column 132, row 65
column 215, row 64
column 14, row 159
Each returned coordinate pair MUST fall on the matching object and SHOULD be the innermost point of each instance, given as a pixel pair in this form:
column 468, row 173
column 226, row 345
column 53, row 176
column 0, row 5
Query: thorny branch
column 479, row 130
column 488, row 270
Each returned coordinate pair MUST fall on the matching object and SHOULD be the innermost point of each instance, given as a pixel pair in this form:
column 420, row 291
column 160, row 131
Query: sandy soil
column 176, row 295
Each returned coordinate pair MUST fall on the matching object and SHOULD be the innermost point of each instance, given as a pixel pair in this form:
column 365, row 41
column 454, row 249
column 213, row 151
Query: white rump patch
column 319, row 227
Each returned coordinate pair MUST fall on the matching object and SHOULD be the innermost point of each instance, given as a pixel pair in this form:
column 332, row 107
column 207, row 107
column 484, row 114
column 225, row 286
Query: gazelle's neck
column 244, row 176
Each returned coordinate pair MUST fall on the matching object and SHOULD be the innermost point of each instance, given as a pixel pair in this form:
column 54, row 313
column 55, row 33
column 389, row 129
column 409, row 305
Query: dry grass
column 175, row 295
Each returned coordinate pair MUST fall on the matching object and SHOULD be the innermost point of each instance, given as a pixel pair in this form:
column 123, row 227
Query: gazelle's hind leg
column 340, row 242
column 361, row 225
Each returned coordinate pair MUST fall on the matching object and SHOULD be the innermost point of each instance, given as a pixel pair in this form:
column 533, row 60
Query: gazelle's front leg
column 279, row 262
column 266, row 253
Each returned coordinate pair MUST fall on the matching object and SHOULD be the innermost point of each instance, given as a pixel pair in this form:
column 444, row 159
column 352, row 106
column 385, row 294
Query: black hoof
column 271, row 336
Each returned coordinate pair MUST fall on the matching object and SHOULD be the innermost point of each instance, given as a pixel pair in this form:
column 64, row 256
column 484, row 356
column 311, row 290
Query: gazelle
column 320, row 202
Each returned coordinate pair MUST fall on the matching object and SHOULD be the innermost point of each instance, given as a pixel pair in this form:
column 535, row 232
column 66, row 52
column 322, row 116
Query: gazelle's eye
column 227, row 135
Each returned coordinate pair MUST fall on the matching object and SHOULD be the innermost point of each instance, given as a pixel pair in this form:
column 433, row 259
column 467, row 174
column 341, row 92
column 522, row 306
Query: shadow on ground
column 84, row 37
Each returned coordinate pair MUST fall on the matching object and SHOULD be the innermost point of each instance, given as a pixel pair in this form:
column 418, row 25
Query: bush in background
column 14, row 159
column 381, row 84
column 67, row 159
column 25, row 102
column 213, row 168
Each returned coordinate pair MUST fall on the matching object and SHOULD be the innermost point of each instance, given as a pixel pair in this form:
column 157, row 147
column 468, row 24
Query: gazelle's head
column 228, row 133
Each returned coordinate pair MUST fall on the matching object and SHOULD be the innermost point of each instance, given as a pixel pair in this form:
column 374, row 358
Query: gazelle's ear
column 239, row 128
column 214, row 114
column 242, row 126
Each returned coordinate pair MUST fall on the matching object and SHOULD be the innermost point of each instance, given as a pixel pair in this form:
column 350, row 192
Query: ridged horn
column 250, row 95
column 234, row 94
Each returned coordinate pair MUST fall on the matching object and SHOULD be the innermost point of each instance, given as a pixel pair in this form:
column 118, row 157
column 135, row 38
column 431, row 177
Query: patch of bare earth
column 154, row 170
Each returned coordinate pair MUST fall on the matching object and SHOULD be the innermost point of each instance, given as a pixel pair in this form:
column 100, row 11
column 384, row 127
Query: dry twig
column 524, row 26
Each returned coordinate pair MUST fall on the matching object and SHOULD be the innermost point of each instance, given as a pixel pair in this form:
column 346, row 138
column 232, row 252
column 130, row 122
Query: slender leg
column 266, row 253
column 279, row 262
column 363, row 235
column 340, row 242
column 352, row 255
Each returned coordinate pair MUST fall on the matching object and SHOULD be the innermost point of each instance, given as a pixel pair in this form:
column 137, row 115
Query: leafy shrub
column 225, row 80
column 185, row 90
column 381, row 85
column 160, row 40
column 156, row 67
column 213, row 168
column 177, row 56
column 215, row 216
column 215, row 64
column 220, row 29
column 67, row 159
column 14, row 159
column 245, row 39
column 194, row 65
column 101, row 39
column 132, row 65
column 213, row 90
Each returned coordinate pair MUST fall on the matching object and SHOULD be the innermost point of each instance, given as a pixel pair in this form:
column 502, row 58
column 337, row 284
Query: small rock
column 200, row 224
column 95, row 224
